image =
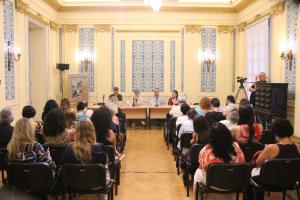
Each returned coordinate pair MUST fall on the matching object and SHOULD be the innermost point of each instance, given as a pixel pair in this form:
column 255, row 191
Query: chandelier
column 154, row 4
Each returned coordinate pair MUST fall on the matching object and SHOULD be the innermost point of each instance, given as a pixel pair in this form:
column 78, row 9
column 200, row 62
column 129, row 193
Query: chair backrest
column 171, row 125
column 230, row 177
column 32, row 177
column 194, row 155
column 280, row 172
column 249, row 149
column 84, row 178
column 111, row 154
column 267, row 138
column 56, row 152
column 185, row 139
column 3, row 158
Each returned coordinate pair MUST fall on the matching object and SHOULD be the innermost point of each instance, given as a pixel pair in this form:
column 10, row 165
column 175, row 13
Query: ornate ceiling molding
column 146, row 31
column 21, row 7
column 53, row 25
column 225, row 29
column 278, row 9
column 70, row 28
column 192, row 28
column 102, row 27
column 241, row 27
column 38, row 17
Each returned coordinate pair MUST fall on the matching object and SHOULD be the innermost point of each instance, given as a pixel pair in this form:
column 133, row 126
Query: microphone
column 103, row 97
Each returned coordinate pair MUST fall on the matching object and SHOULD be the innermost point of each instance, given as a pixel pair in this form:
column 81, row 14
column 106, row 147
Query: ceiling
column 168, row 5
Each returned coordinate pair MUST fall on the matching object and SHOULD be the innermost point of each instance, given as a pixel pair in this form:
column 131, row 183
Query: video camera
column 241, row 79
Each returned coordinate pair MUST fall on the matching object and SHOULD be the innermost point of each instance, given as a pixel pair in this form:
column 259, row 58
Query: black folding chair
column 267, row 138
column 86, row 179
column 35, row 178
column 3, row 163
column 249, row 149
column 114, row 165
column 56, row 152
column 224, row 179
column 170, row 131
column 278, row 175
column 191, row 164
column 185, row 142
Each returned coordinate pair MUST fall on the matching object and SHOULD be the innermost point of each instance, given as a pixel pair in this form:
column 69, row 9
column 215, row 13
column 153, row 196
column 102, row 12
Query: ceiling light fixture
column 154, row 4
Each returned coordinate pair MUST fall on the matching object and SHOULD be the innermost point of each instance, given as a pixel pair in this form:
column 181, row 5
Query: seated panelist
column 156, row 100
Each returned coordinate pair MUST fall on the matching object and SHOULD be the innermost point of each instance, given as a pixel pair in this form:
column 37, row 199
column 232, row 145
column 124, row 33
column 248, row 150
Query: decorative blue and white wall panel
column 123, row 65
column 172, row 64
column 233, row 59
column 112, row 59
column 147, row 65
column 60, row 32
column 8, row 27
column 182, row 59
column 86, row 45
column 208, row 44
column 291, row 40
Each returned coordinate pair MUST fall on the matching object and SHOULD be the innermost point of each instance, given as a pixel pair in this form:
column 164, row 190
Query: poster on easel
column 77, row 89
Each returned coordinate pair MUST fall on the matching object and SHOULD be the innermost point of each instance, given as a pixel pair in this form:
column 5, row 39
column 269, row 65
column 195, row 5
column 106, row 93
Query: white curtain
column 257, row 49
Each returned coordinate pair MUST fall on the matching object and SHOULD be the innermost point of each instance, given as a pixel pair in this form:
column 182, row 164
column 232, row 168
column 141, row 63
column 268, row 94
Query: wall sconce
column 12, row 55
column 85, row 59
column 288, row 56
column 208, row 59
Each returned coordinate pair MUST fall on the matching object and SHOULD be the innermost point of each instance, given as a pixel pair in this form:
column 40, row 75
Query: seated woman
column 55, row 128
column 184, row 108
column 205, row 106
column 220, row 149
column 6, row 130
column 232, row 117
column 70, row 117
column 85, row 149
column 65, row 104
column 175, row 111
column 187, row 126
column 247, row 130
column 50, row 104
column 201, row 130
column 23, row 147
column 82, row 111
column 102, row 121
column 173, row 100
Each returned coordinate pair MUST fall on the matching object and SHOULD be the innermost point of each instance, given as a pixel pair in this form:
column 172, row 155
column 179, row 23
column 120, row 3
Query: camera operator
column 260, row 78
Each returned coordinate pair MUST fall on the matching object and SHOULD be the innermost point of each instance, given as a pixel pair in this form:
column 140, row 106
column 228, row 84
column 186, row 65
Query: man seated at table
column 116, row 94
column 136, row 99
column 156, row 100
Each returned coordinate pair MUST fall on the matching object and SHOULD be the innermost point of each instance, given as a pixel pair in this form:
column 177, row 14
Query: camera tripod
column 240, row 92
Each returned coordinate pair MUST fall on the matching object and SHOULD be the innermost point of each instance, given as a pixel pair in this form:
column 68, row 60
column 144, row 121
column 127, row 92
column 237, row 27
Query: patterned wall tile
column 8, row 27
column 86, row 44
column 60, row 32
column 172, row 65
column 291, row 40
column 208, row 44
column 182, row 59
column 112, row 59
column 233, row 59
column 147, row 65
column 123, row 65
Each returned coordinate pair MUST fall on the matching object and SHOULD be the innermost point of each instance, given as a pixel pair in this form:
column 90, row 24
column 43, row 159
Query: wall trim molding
column 102, row 27
column 53, row 25
column 21, row 7
column 70, row 28
column 192, row 28
column 147, row 31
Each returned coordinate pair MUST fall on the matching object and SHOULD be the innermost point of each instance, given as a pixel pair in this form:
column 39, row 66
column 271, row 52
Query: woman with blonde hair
column 85, row 149
column 23, row 147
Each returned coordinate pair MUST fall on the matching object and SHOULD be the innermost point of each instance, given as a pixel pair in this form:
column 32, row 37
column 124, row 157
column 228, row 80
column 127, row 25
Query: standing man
column 260, row 78
column 116, row 95
column 156, row 100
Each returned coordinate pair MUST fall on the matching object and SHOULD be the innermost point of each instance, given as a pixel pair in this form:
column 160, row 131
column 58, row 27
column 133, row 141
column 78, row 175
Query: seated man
column 156, row 100
column 214, row 115
column 116, row 94
column 136, row 99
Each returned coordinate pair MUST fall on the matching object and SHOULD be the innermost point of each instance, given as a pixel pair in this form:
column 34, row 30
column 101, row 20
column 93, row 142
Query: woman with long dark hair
column 247, row 130
column 50, row 104
column 220, row 149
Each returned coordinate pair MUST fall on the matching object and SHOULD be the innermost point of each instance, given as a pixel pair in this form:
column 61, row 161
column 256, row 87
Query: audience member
column 214, row 115
column 70, row 117
column 176, row 108
column 116, row 95
column 85, row 149
column 201, row 130
column 55, row 128
column 156, row 100
column 184, row 108
column 102, row 121
column 50, row 104
column 173, row 100
column 229, row 102
column 205, row 106
column 247, row 130
column 232, row 117
column 244, row 102
column 82, row 111
column 65, row 104
column 23, row 147
column 28, row 112
column 6, row 130
column 187, row 126
column 220, row 149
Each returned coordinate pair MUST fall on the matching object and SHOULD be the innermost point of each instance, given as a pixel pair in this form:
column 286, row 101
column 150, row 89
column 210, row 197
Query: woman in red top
column 220, row 149
column 247, row 130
